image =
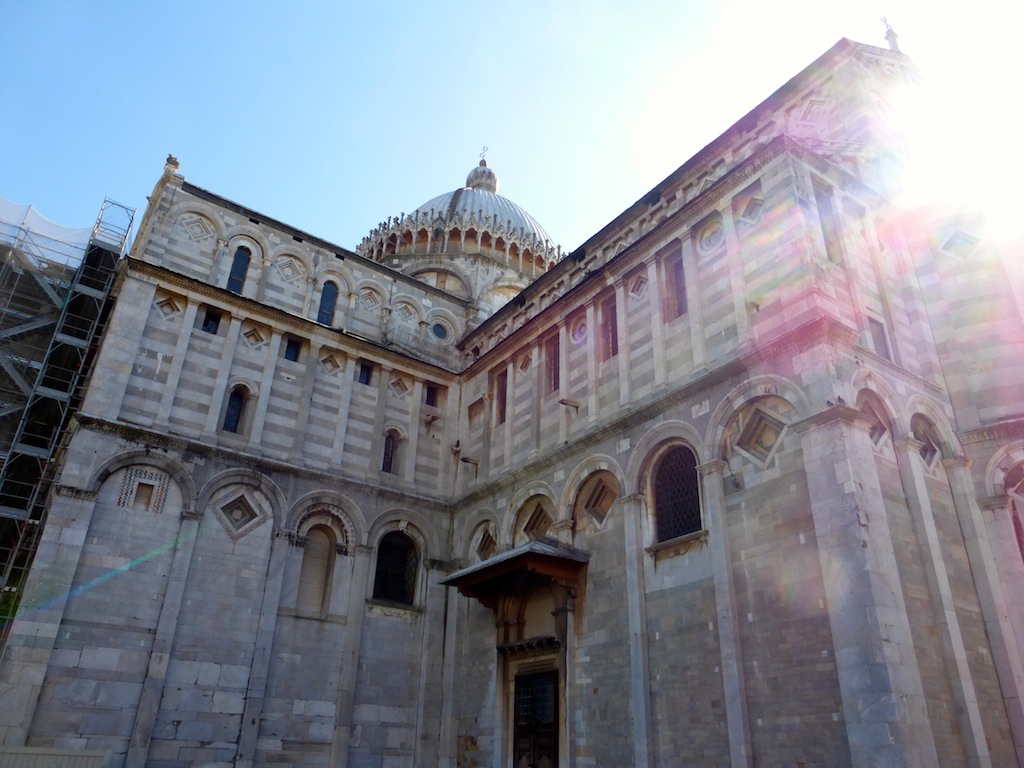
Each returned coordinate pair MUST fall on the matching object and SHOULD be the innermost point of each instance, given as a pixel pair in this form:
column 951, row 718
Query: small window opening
column 431, row 395
column 211, row 321
column 609, row 329
column 552, row 352
column 239, row 269
column 390, row 452
column 677, row 494
column 365, row 373
column 397, row 563
column 500, row 397
column 235, row 408
column 879, row 338
column 291, row 349
column 675, row 278
column 143, row 496
column 328, row 302
column 829, row 224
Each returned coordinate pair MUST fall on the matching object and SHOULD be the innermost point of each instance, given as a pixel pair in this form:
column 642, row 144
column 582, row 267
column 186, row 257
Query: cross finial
column 890, row 36
column 483, row 153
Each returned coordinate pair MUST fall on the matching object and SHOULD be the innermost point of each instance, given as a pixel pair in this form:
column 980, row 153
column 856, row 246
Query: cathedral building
column 736, row 482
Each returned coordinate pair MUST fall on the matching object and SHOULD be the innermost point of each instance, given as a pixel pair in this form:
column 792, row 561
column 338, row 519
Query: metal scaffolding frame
column 53, row 304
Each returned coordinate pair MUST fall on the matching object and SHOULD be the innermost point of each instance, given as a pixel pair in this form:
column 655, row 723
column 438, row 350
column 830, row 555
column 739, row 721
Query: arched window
column 677, row 494
column 328, row 301
column 397, row 564
column 235, row 409
column 317, row 567
column 389, row 462
column 239, row 268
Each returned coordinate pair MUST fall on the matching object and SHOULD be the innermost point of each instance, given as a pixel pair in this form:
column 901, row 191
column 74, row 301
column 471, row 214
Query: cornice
column 1012, row 429
column 251, row 308
column 588, row 283
column 241, row 460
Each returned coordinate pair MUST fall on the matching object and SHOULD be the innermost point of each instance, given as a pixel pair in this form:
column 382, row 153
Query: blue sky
column 333, row 116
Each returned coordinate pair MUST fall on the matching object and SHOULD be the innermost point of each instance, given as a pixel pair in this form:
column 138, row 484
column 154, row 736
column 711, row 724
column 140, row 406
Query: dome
column 480, row 200
column 473, row 220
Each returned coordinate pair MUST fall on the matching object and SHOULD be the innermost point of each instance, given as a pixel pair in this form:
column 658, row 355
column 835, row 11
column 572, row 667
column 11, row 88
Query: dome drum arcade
column 458, row 228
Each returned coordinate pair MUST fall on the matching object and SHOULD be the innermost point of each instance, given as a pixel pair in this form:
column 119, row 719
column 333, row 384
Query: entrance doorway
column 536, row 721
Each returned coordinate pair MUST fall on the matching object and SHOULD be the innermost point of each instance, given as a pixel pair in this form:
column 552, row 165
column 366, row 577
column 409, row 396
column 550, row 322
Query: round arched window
column 439, row 331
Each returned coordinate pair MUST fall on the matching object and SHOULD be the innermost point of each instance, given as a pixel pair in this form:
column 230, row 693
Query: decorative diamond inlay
column 752, row 210
column 813, row 111
column 239, row 513
column 525, row 362
column 198, row 228
column 290, row 269
column 240, row 509
column 960, row 244
column 761, row 435
column 369, row 298
column 487, row 544
column 538, row 523
column 638, row 286
column 878, row 429
column 254, row 337
column 399, row 387
column 330, row 363
column 405, row 312
column 168, row 306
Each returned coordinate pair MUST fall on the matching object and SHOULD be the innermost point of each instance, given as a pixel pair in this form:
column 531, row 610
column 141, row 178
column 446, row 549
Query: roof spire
column 890, row 36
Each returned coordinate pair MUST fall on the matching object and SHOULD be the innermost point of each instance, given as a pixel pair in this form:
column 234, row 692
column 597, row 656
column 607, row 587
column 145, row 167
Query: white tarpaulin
column 40, row 236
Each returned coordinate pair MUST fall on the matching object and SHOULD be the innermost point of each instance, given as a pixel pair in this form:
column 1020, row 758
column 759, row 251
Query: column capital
column 840, row 413
column 713, row 467
column 909, row 443
column 998, row 505
column 957, row 462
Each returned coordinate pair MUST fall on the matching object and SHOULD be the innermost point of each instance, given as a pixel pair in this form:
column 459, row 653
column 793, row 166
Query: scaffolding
column 54, row 298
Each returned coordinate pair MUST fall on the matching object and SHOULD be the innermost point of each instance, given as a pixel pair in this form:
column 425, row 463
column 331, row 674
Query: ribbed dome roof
column 480, row 198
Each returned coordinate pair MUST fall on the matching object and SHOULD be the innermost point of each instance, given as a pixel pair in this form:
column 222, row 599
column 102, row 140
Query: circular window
column 711, row 236
column 578, row 332
column 439, row 331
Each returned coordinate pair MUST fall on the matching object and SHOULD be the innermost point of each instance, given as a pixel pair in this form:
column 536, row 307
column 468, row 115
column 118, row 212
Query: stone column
column 29, row 647
column 510, row 413
column 432, row 629
column 188, row 321
column 622, row 342
column 879, row 680
column 345, row 704
column 259, row 672
column 220, row 386
column 565, row 414
column 992, row 598
column 998, row 516
column 955, row 653
column 266, row 388
column 407, row 463
column 307, row 298
column 654, row 286
column 694, row 298
column 737, row 717
column 565, row 620
column 163, row 642
column 631, row 508
column 591, row 345
column 448, row 747
column 305, row 399
column 344, row 405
